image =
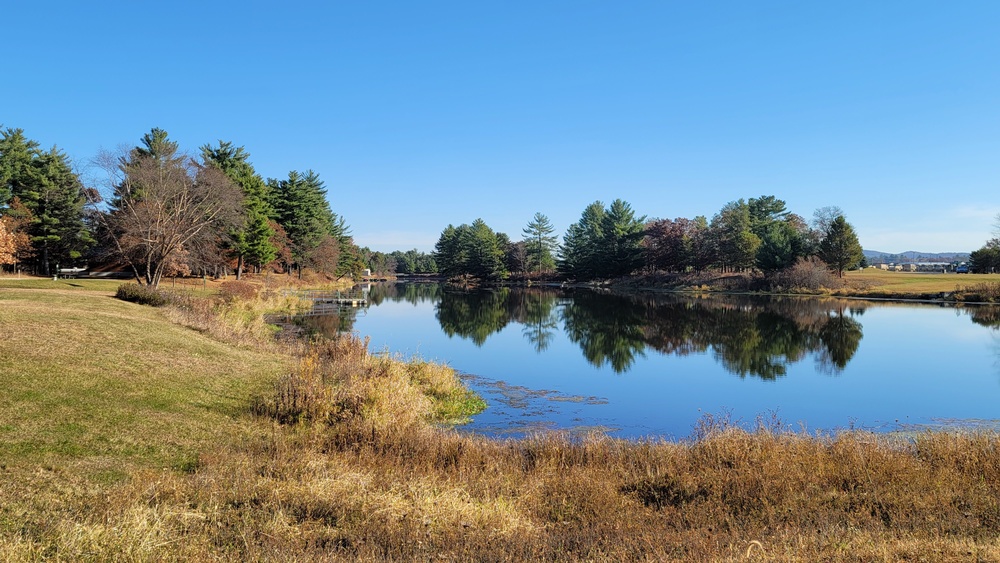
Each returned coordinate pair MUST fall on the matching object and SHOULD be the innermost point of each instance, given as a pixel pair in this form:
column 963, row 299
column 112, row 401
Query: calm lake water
column 654, row 365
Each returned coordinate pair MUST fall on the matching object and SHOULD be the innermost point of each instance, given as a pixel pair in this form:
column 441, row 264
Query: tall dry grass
column 236, row 313
column 984, row 292
column 355, row 493
column 339, row 382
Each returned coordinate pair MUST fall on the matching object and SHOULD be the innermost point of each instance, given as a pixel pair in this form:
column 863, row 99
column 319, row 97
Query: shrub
column 810, row 274
column 987, row 292
column 142, row 294
column 233, row 290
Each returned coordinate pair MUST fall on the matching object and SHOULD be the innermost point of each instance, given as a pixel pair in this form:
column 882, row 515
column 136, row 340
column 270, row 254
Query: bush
column 233, row 290
column 809, row 274
column 986, row 292
column 142, row 294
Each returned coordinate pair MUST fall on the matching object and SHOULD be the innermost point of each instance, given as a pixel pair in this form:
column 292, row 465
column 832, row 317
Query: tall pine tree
column 251, row 241
column 621, row 244
column 840, row 248
column 604, row 243
column 48, row 187
column 301, row 208
column 16, row 155
column 540, row 243
column 475, row 250
column 735, row 241
column 580, row 253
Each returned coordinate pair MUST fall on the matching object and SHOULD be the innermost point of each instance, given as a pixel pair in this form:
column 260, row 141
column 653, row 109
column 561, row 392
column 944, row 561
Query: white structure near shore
column 938, row 267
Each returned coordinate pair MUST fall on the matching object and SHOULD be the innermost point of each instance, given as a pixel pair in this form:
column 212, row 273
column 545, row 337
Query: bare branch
column 157, row 205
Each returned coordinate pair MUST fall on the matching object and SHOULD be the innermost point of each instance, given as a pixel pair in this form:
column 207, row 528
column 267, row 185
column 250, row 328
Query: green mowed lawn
column 88, row 379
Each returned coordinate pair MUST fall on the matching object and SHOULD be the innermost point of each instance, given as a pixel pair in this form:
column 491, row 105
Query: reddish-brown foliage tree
column 6, row 245
column 667, row 244
column 17, row 242
column 283, row 246
column 324, row 259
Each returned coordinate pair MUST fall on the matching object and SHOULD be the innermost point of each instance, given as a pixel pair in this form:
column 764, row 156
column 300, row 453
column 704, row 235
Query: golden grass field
column 129, row 433
column 913, row 283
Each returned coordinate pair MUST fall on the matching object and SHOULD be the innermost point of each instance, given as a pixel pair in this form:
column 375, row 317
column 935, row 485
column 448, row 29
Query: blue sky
column 421, row 114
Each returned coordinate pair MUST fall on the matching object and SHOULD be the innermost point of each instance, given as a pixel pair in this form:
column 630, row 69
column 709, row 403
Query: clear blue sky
column 420, row 114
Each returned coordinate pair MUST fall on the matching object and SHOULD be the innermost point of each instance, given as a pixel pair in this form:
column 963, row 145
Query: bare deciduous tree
column 518, row 257
column 160, row 202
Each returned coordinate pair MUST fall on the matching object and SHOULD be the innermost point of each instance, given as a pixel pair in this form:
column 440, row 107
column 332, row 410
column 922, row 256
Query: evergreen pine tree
column 540, row 243
column 250, row 242
column 301, row 208
column 580, row 253
column 48, row 187
column 840, row 248
column 620, row 249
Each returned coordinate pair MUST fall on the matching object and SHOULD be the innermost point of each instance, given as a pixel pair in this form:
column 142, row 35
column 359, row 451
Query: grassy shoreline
column 132, row 433
column 864, row 284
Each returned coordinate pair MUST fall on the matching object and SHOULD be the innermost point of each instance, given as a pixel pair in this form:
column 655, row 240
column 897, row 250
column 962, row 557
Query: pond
column 654, row 365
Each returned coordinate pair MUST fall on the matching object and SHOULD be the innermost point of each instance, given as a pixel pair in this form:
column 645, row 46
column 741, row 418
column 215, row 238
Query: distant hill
column 914, row 256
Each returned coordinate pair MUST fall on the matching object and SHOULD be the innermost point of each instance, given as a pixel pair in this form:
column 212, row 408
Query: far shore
column 869, row 284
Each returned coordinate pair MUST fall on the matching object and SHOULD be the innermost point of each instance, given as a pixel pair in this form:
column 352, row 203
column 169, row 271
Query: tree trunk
column 158, row 274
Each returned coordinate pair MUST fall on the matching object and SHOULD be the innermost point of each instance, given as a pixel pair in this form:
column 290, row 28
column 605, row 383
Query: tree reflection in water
column 748, row 335
column 411, row 292
column 474, row 314
column 609, row 329
column 328, row 321
column 841, row 337
column 760, row 337
column 537, row 311
column 988, row 316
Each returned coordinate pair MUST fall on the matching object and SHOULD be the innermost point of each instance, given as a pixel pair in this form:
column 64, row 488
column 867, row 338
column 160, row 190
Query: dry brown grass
column 872, row 282
column 333, row 494
column 339, row 382
column 344, row 463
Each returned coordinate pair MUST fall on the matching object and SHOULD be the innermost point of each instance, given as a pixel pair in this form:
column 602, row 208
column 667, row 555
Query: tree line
column 986, row 260
column 410, row 262
column 159, row 211
column 757, row 234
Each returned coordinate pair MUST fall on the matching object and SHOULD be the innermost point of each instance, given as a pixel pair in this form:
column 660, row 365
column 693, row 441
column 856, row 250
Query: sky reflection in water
column 653, row 365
